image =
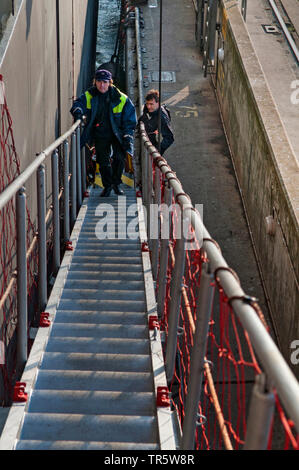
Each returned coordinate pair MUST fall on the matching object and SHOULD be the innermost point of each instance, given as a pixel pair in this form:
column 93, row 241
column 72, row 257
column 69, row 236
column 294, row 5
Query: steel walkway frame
column 168, row 430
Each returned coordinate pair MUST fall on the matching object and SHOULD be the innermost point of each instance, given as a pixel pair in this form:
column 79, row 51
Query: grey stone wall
column 267, row 171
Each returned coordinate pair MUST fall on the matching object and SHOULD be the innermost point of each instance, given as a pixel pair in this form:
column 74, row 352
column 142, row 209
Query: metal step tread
column 94, row 380
column 82, row 445
column 101, row 317
column 98, row 345
column 90, row 427
column 94, row 330
column 92, row 402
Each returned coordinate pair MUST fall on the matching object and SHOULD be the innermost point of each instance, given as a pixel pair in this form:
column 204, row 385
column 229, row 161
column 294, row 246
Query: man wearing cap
column 110, row 123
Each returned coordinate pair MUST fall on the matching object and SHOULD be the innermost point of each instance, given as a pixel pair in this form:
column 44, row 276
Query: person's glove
column 128, row 143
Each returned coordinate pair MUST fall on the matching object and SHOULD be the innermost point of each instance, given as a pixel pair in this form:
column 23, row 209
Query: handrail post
column 66, row 218
column 165, row 234
column 156, row 224
column 260, row 416
column 74, row 182
column 56, row 226
column 83, row 156
column 149, row 196
column 42, row 238
column 21, row 279
column 175, row 302
column 79, row 168
column 203, row 315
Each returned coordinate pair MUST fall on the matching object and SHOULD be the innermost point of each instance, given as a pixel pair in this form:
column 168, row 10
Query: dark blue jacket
column 122, row 116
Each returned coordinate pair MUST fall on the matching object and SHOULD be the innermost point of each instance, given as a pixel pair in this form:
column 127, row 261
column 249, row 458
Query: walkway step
column 67, row 427
column 81, row 445
column 94, row 380
column 93, row 402
column 91, row 361
column 97, row 345
column 93, row 330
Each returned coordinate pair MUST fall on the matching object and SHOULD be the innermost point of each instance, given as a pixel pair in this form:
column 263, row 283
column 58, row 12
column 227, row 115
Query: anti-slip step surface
column 94, row 388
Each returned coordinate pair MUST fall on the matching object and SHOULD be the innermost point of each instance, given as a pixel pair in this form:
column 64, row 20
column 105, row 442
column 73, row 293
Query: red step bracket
column 19, row 394
column 44, row 321
column 69, row 245
column 153, row 322
column 163, row 399
column 144, row 247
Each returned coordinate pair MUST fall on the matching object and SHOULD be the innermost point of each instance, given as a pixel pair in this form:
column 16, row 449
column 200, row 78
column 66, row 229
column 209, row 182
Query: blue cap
column 103, row 75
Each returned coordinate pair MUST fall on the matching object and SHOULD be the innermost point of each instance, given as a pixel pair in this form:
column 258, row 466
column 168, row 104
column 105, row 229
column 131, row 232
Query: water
column 108, row 20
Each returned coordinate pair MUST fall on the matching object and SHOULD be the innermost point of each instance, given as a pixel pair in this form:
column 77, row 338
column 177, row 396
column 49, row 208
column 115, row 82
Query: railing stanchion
column 155, row 224
column 56, row 222
column 203, row 315
column 42, row 238
column 175, row 302
column 66, row 194
column 73, row 182
column 79, row 166
column 21, row 279
column 149, row 196
column 83, row 157
column 260, row 415
column 165, row 235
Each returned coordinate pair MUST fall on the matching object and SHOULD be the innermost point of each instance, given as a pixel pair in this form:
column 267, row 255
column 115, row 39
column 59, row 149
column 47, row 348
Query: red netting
column 9, row 170
column 231, row 366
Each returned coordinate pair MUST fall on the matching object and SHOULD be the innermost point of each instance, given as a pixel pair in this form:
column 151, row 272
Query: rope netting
column 9, row 170
column 231, row 365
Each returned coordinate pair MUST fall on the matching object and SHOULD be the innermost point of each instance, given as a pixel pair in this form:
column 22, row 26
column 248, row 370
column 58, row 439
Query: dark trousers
column 111, row 163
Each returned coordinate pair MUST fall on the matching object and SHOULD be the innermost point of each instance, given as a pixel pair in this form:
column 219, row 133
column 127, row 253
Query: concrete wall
column 267, row 171
column 43, row 68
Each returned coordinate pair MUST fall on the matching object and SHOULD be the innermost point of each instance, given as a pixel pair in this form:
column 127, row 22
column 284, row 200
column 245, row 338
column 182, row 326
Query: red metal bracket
column 138, row 193
column 44, row 321
column 144, row 247
column 153, row 322
column 163, row 397
column 69, row 246
column 19, row 394
column 86, row 194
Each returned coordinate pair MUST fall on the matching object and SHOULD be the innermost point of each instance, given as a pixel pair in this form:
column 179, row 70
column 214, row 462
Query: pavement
column 200, row 155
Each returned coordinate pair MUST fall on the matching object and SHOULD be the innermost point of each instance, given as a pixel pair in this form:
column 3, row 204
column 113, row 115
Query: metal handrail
column 17, row 189
column 17, row 184
column 286, row 32
column 277, row 370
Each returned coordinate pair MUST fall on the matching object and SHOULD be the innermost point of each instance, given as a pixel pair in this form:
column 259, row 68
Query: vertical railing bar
column 149, row 196
column 56, row 225
column 66, row 197
column 164, row 252
column 73, row 182
column 203, row 315
column 83, row 160
column 261, row 410
column 42, row 238
column 79, row 167
column 175, row 301
column 22, row 308
column 156, row 224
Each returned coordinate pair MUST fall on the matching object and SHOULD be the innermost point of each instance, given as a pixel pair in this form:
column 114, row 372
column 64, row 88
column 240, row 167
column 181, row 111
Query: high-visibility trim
column 88, row 99
column 120, row 106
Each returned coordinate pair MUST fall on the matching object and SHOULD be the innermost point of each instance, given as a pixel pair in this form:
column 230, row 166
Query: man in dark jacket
column 150, row 118
column 110, row 123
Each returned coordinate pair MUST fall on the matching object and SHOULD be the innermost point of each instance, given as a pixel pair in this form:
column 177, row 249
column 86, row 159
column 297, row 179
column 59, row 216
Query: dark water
column 108, row 20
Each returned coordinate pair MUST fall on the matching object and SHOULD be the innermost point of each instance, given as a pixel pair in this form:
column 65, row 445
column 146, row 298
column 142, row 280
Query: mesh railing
column 225, row 397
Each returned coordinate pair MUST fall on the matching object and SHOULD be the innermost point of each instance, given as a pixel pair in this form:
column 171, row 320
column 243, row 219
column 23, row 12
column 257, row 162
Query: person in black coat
column 150, row 118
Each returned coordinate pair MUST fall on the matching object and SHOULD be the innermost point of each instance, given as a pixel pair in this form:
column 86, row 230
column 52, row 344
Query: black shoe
column 117, row 190
column 106, row 192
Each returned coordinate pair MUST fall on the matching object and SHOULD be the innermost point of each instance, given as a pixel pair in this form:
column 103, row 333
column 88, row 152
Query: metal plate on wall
column 165, row 77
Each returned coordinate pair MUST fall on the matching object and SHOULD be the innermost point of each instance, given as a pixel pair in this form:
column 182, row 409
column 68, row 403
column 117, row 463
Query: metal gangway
column 95, row 376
